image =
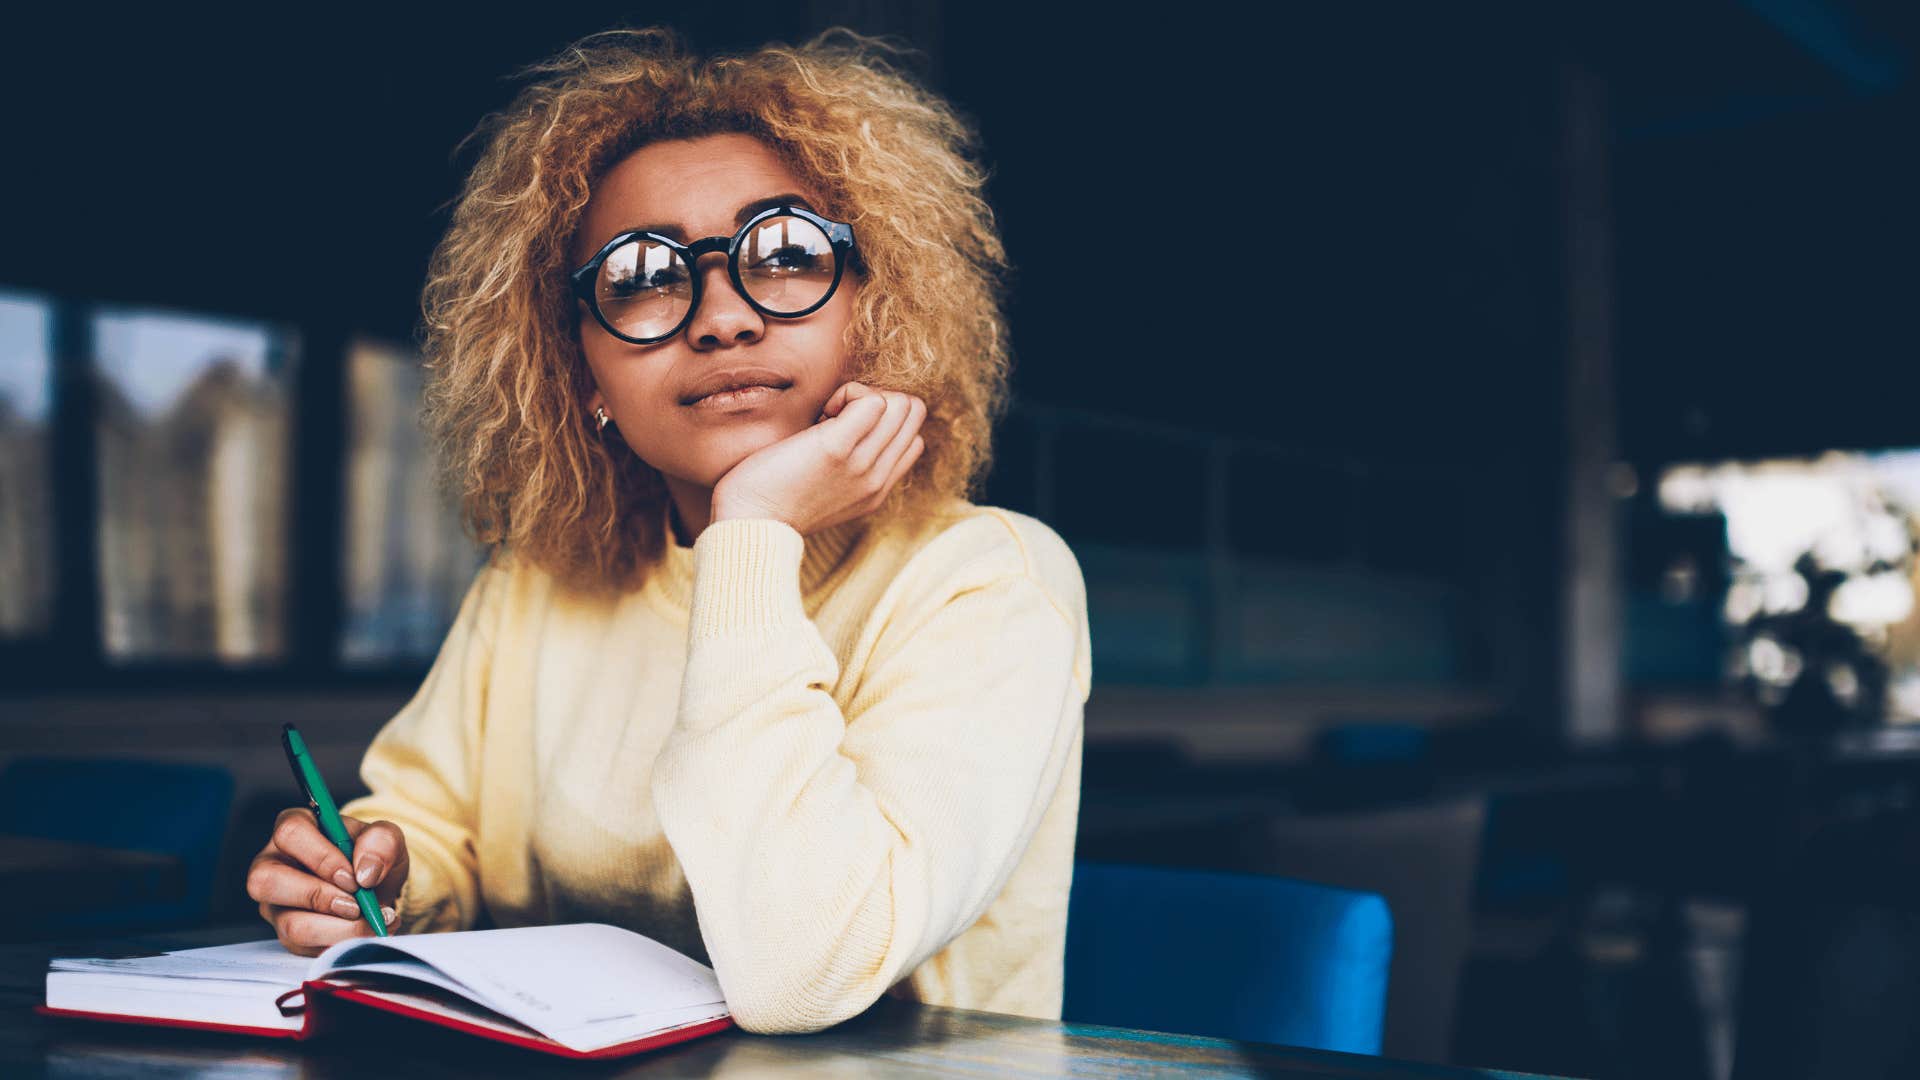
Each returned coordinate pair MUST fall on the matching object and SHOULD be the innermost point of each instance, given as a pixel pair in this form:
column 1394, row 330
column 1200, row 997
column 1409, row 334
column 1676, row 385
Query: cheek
column 830, row 342
column 598, row 356
column 843, row 332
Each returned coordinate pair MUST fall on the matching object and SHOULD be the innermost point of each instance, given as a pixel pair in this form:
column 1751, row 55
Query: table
column 893, row 1039
column 39, row 877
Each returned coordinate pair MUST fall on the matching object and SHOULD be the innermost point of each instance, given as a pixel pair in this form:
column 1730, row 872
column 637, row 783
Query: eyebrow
column 740, row 216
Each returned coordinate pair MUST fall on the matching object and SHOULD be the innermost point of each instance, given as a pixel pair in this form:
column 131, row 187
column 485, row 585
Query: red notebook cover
column 319, row 1013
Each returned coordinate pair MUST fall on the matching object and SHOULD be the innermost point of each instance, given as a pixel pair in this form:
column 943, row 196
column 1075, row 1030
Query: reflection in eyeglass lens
column 787, row 264
column 644, row 288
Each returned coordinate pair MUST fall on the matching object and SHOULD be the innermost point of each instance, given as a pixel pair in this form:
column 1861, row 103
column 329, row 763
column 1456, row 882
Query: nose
column 723, row 317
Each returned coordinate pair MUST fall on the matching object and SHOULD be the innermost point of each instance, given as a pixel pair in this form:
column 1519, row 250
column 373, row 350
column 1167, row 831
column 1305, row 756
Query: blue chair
column 1238, row 956
column 170, row 808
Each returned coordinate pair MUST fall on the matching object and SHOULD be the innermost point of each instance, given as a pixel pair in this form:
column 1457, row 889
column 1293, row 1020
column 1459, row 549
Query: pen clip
column 299, row 775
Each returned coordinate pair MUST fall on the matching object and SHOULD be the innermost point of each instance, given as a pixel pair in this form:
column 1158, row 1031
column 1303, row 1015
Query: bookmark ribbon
column 291, row 1010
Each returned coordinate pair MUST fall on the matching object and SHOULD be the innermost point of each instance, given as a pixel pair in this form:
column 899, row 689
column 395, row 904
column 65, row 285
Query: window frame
column 70, row 657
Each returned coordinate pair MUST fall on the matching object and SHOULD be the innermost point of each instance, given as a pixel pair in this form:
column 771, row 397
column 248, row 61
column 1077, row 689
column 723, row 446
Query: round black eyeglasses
column 786, row 261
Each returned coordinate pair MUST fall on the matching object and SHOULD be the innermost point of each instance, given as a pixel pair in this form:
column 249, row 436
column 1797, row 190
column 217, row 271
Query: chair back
column 170, row 808
column 1238, row 956
column 1422, row 859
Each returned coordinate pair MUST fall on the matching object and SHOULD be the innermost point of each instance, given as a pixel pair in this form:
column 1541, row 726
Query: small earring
column 600, row 414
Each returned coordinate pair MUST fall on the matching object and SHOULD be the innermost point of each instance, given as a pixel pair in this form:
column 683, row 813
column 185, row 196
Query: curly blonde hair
column 507, row 380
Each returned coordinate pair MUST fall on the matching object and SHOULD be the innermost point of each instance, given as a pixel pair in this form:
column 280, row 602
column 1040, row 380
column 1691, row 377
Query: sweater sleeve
column 830, row 854
column 422, row 768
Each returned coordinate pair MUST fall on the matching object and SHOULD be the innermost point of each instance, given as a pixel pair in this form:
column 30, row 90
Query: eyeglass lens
column 644, row 288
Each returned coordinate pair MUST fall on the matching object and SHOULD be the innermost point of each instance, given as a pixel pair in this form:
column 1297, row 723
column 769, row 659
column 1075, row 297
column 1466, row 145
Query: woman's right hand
column 840, row 468
column 305, row 886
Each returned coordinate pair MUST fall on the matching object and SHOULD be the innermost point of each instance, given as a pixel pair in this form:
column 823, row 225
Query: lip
column 741, row 400
column 733, row 379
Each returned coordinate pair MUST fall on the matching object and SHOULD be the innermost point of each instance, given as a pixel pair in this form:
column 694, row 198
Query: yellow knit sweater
column 830, row 766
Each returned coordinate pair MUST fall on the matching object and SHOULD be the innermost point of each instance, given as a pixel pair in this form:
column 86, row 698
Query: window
column 406, row 563
column 27, row 571
column 193, row 463
column 1820, row 583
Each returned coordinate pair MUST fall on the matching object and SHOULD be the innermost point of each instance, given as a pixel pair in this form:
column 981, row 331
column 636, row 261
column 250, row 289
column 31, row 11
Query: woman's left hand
column 839, row 469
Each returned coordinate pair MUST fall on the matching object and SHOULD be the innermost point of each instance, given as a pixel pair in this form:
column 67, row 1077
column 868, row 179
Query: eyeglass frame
column 839, row 238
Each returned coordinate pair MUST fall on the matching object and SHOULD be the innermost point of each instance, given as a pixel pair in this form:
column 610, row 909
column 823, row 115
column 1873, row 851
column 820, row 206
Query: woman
column 716, row 346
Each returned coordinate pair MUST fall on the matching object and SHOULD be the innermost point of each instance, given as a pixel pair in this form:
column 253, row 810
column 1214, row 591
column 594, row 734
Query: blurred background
column 1496, row 481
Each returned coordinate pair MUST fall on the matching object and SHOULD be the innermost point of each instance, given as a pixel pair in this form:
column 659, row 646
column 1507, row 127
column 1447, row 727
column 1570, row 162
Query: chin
column 719, row 452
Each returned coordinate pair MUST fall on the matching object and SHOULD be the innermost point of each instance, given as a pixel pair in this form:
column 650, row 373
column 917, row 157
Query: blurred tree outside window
column 26, row 490
column 406, row 562
column 193, row 458
column 1822, row 581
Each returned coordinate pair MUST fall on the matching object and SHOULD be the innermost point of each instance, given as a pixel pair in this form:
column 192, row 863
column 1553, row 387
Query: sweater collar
column 825, row 550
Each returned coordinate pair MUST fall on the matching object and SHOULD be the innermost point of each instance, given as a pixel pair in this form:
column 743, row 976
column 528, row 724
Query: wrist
column 731, row 510
column 746, row 578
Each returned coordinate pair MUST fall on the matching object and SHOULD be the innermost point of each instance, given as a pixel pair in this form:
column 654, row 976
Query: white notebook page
column 584, row 985
column 250, row 961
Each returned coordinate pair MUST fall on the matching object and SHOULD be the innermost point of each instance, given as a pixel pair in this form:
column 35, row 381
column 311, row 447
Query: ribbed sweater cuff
column 746, row 577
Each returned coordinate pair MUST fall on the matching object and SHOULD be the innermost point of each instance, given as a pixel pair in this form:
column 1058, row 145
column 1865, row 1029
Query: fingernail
column 388, row 915
column 344, row 880
column 370, row 872
column 345, row 908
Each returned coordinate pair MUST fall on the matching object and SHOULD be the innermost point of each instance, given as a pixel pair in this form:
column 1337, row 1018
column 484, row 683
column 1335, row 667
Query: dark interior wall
column 1769, row 279
column 1351, row 217
column 1347, row 210
column 1766, row 229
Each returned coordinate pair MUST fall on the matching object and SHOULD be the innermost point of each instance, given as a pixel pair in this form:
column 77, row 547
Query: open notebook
column 576, row 989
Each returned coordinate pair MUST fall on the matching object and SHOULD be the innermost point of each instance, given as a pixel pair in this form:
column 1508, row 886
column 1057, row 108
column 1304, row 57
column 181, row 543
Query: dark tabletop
column 893, row 1039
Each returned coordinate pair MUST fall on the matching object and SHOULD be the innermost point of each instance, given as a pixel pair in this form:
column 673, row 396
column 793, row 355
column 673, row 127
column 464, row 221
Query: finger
column 835, row 401
column 377, row 851
column 854, row 422
column 880, row 435
column 904, row 465
column 297, row 835
column 890, row 457
column 272, row 913
column 277, row 880
column 890, row 454
column 858, row 390
column 847, row 392
column 853, row 398
column 309, row 932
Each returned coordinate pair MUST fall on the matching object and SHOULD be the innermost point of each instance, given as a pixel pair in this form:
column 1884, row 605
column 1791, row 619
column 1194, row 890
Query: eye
column 791, row 257
column 666, row 279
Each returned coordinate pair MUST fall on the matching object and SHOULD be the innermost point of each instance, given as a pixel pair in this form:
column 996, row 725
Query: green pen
column 321, row 800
